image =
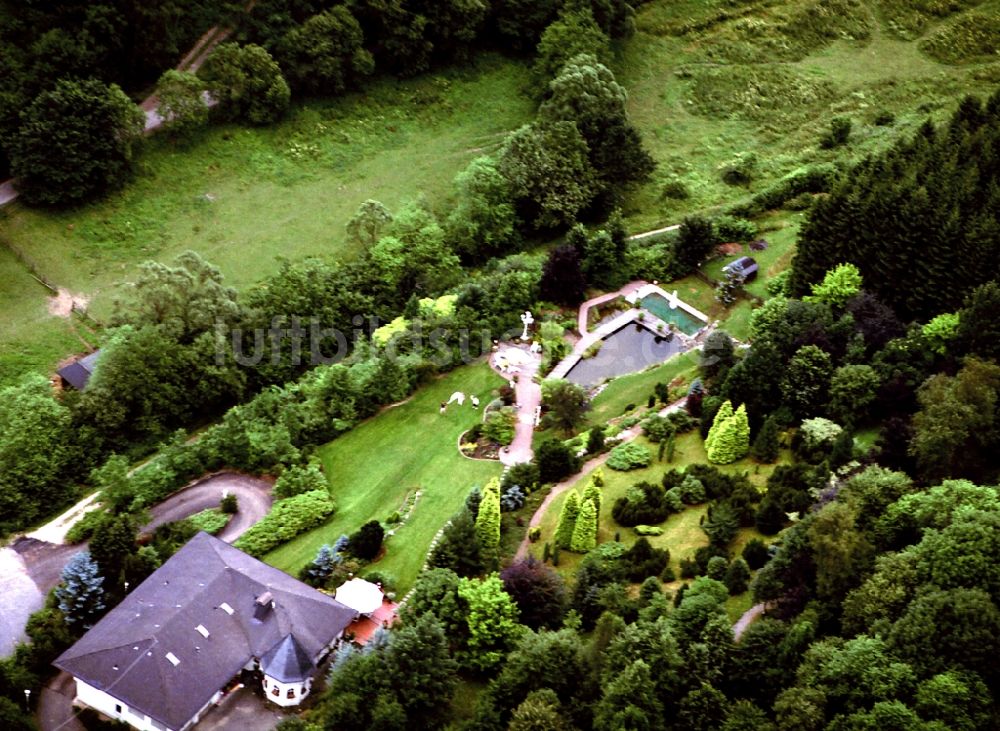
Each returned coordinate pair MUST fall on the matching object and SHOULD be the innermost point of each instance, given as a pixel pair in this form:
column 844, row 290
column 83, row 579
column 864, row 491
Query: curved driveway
column 30, row 568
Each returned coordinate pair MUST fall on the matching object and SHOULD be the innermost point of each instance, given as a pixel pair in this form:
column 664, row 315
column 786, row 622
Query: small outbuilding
column 78, row 373
column 745, row 267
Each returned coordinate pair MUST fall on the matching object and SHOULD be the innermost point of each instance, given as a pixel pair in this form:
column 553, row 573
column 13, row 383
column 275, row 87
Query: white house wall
column 113, row 708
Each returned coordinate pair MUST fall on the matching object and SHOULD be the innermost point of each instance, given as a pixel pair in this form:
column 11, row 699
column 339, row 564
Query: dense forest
column 65, row 66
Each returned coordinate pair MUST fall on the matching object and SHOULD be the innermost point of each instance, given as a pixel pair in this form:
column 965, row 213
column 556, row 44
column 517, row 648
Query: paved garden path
column 749, row 617
column 528, row 396
column 581, row 318
column 589, row 466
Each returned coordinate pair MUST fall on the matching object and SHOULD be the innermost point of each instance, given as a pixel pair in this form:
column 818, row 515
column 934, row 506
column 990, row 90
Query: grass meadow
column 29, row 335
column 244, row 196
column 378, row 467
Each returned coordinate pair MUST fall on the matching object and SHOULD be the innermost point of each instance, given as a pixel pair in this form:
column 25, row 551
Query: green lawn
column 688, row 95
column 30, row 338
column 376, row 466
column 682, row 533
column 242, row 196
column 636, row 388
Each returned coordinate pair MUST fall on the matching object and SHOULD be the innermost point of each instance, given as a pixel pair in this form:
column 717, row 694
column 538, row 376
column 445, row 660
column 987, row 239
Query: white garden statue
column 527, row 320
column 457, row 396
column 673, row 300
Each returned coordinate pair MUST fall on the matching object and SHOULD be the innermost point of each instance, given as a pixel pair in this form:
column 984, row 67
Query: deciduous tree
column 75, row 140
column 326, row 54
column 247, row 83
column 548, row 168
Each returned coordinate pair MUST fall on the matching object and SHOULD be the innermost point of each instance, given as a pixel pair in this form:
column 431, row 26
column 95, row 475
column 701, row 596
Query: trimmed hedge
column 818, row 178
column 629, row 456
column 287, row 519
column 212, row 521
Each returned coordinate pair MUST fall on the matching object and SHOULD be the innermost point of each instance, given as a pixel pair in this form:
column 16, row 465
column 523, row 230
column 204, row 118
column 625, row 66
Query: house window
column 276, row 690
column 291, row 693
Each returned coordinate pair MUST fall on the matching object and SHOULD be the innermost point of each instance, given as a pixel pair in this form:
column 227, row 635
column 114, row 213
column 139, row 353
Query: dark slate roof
column 78, row 373
column 744, row 263
column 287, row 662
column 126, row 653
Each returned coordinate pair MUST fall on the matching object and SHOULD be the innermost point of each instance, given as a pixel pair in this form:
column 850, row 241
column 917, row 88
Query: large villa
column 207, row 619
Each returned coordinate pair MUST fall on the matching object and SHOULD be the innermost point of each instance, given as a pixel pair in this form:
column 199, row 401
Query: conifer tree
column 81, row 596
column 765, row 446
column 729, row 440
column 319, row 570
column 567, row 520
column 488, row 519
column 742, row 431
column 721, row 417
column 585, row 531
column 593, row 493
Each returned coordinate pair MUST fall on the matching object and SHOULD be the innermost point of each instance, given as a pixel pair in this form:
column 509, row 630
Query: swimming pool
column 681, row 318
column 631, row 348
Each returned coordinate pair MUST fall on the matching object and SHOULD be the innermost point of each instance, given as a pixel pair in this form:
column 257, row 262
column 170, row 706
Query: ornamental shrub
column 488, row 518
column 585, row 531
column 629, row 456
column 593, row 493
column 648, row 530
column 567, row 520
column 729, row 439
column 287, row 519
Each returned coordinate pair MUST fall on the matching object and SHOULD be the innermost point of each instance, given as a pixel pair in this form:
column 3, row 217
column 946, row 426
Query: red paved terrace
column 364, row 626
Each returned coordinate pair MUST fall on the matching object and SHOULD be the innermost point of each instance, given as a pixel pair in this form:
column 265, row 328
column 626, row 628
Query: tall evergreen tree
column 766, row 446
column 585, row 531
column 488, row 519
column 80, row 595
column 593, row 493
column 939, row 188
column 723, row 415
column 567, row 520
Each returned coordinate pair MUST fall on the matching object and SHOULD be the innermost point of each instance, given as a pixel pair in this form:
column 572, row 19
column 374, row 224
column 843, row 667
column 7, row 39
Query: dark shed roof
column 78, row 373
column 287, row 662
column 745, row 265
column 189, row 628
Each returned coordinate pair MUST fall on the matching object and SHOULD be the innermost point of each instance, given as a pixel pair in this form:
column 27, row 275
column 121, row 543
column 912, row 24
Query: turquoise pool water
column 685, row 321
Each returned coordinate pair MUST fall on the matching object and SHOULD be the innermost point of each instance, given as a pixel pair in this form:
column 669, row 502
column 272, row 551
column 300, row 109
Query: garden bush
column 675, row 189
column 297, row 479
column 85, row 527
column 645, row 503
column 648, row 530
column 730, row 228
column 629, row 456
column 811, row 179
column 642, row 560
column 287, row 519
column 366, row 542
column 755, row 553
column 740, row 170
column 212, row 521
column 229, row 504
column 499, row 425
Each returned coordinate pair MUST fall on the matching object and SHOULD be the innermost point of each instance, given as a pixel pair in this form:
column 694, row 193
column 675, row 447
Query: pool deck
column 582, row 315
column 632, row 292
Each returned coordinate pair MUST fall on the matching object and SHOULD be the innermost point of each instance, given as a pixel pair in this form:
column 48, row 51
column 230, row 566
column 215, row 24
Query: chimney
column 262, row 605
